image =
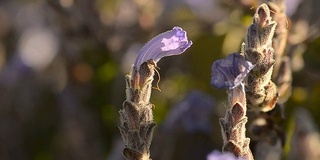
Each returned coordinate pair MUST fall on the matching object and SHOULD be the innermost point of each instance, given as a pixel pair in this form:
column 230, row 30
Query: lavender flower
column 173, row 42
column 193, row 114
column 230, row 72
column 216, row 155
column 136, row 117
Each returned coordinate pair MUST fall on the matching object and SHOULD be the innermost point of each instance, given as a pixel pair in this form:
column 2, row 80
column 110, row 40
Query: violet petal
column 217, row 155
column 230, row 72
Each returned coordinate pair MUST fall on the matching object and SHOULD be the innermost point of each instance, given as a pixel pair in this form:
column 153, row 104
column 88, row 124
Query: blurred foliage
column 63, row 62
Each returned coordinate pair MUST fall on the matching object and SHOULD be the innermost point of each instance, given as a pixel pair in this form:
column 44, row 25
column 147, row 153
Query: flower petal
column 173, row 42
column 230, row 72
column 217, row 155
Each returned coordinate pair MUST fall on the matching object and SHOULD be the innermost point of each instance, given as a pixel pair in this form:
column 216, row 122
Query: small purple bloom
column 193, row 114
column 216, row 155
column 173, row 42
column 230, row 72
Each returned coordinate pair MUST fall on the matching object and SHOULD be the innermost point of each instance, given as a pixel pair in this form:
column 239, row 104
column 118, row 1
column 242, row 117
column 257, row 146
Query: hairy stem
column 233, row 125
column 136, row 117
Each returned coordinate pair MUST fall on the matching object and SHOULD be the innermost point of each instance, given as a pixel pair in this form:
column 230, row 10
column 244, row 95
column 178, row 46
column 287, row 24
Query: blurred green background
column 63, row 62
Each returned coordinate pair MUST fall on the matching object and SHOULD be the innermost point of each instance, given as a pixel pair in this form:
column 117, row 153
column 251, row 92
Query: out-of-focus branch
column 282, row 69
column 305, row 142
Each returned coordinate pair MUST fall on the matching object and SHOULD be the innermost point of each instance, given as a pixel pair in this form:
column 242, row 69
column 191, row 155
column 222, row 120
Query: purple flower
column 193, row 114
column 173, row 42
column 216, row 155
column 230, row 72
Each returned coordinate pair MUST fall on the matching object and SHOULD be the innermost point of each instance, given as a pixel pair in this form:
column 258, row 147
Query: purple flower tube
column 173, row 42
